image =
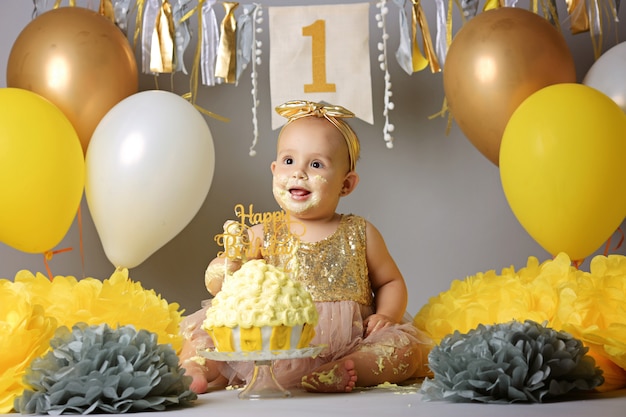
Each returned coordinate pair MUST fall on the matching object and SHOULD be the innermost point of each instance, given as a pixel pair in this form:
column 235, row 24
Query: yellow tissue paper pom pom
column 489, row 298
column 25, row 330
column 115, row 301
column 593, row 308
column 32, row 307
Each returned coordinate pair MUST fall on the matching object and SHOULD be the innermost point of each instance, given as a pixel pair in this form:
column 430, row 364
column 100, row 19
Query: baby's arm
column 390, row 292
column 222, row 265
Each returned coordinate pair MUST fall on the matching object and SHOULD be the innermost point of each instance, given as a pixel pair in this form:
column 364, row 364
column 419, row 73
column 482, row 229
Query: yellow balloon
column 562, row 162
column 42, row 172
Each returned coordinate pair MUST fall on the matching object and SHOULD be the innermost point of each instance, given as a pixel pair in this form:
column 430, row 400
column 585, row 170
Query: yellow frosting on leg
column 251, row 340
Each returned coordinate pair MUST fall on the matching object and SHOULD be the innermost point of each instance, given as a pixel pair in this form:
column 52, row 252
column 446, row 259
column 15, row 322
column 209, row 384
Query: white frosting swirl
column 259, row 295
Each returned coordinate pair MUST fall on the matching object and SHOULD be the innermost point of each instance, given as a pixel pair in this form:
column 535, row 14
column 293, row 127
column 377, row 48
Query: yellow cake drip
column 222, row 337
column 251, row 340
column 308, row 332
column 280, row 338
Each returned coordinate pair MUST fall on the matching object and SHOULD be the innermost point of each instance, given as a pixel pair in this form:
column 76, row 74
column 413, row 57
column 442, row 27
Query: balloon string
column 578, row 263
column 79, row 218
column 608, row 242
column 47, row 256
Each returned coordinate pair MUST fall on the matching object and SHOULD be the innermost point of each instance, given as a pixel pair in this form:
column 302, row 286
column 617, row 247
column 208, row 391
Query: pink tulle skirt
column 340, row 329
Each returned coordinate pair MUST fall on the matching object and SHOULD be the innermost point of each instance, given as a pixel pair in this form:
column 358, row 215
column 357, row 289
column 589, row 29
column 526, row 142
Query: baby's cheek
column 319, row 179
column 281, row 179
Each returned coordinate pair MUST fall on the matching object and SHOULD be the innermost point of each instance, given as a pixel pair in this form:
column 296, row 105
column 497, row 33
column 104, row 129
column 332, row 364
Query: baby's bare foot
column 333, row 377
column 203, row 378
column 199, row 382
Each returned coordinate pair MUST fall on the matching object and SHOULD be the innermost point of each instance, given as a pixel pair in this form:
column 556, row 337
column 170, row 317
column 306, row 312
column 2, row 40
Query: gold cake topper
column 236, row 238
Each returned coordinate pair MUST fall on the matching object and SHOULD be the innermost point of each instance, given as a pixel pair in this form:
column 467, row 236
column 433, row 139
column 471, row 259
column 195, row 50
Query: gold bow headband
column 294, row 110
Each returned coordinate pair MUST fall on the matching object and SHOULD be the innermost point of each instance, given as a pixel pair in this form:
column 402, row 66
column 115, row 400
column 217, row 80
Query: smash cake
column 260, row 308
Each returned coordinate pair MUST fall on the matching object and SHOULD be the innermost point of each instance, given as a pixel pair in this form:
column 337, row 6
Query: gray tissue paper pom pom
column 509, row 362
column 97, row 369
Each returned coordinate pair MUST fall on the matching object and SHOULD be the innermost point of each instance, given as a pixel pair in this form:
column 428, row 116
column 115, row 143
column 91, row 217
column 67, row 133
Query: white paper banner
column 321, row 53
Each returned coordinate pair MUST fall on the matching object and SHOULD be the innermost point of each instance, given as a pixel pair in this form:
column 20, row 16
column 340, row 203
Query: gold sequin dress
column 334, row 271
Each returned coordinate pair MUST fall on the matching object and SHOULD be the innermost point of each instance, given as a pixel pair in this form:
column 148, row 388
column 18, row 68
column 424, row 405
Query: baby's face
column 310, row 168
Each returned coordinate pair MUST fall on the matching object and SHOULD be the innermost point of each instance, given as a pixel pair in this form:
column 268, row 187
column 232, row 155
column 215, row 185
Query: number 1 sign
column 321, row 53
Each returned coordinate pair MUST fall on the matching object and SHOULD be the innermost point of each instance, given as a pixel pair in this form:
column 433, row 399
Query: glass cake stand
column 263, row 384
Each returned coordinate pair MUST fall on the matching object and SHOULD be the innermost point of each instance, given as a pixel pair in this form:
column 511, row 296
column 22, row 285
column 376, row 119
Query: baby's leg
column 369, row 366
column 379, row 363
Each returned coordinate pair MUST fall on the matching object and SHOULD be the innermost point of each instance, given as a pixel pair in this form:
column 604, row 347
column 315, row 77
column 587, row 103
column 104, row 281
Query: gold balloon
column 495, row 61
column 77, row 59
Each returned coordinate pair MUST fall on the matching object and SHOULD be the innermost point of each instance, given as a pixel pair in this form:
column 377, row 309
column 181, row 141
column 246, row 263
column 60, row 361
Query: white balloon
column 607, row 74
column 149, row 167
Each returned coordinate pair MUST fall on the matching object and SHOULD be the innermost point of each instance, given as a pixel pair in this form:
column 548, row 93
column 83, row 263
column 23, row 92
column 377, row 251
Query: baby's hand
column 376, row 322
column 215, row 272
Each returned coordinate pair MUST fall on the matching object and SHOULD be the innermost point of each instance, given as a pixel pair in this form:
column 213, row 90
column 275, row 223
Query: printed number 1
column 317, row 32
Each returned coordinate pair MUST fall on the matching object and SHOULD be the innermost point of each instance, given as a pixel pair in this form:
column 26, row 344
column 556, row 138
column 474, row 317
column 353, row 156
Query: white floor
column 391, row 401
column 396, row 402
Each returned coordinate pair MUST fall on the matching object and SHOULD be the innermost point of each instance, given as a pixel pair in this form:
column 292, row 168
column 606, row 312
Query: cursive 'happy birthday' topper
column 240, row 244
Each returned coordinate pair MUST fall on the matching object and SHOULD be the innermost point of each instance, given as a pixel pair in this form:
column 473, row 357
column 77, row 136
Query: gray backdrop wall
column 435, row 198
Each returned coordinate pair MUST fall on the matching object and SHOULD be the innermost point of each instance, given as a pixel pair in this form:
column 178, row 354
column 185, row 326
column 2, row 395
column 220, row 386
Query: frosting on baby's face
column 308, row 195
